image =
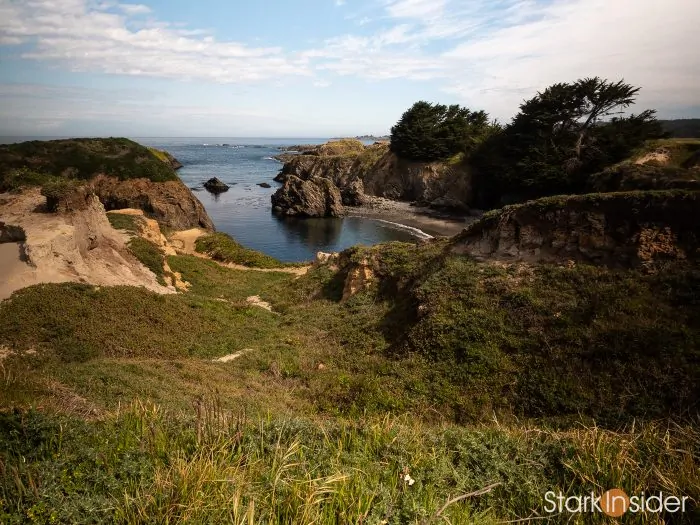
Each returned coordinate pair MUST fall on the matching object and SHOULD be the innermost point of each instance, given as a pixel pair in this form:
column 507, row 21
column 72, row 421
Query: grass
column 341, row 147
column 456, row 373
column 36, row 162
column 221, row 247
column 144, row 464
column 150, row 256
column 681, row 151
column 122, row 221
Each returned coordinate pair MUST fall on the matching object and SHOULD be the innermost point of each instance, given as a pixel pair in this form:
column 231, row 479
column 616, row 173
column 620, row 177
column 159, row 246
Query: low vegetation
column 123, row 221
column 150, row 256
column 447, row 377
column 56, row 189
column 148, row 465
column 37, row 162
column 221, row 247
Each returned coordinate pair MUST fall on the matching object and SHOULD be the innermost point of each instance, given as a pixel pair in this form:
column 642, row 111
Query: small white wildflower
column 408, row 479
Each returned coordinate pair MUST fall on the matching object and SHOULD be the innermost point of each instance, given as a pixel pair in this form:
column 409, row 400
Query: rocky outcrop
column 634, row 229
column 375, row 171
column 171, row 203
column 359, row 278
column 71, row 245
column 313, row 197
column 214, row 185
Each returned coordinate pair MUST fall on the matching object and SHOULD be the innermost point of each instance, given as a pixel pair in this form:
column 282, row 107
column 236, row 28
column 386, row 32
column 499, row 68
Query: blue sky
column 320, row 68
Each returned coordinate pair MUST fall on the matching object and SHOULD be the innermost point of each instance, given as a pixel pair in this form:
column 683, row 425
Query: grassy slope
column 681, row 170
column 36, row 162
column 546, row 345
column 221, row 247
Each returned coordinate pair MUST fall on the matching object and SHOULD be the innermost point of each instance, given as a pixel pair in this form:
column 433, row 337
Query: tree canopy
column 562, row 136
column 429, row 132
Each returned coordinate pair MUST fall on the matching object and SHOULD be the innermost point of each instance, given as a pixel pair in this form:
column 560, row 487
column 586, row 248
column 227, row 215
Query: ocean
column 245, row 212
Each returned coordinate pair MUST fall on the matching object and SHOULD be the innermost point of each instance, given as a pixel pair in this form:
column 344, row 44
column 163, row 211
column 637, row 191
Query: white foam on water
column 416, row 232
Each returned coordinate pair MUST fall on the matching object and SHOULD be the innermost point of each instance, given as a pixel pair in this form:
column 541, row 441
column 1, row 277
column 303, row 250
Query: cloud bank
column 487, row 54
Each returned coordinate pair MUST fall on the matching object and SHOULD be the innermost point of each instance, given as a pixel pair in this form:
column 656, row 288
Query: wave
column 416, row 232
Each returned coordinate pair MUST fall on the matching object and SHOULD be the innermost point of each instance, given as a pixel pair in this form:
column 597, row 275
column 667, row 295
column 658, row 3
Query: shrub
column 221, row 247
column 150, row 256
column 56, row 190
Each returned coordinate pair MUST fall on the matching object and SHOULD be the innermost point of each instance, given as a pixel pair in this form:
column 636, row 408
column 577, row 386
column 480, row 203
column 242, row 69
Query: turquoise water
column 244, row 212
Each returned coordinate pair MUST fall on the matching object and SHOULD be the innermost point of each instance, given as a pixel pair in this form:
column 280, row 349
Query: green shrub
column 80, row 159
column 56, row 190
column 221, row 247
column 123, row 221
column 150, row 256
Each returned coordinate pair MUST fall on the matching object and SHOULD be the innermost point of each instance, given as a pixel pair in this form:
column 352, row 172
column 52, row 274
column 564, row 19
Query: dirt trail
column 184, row 243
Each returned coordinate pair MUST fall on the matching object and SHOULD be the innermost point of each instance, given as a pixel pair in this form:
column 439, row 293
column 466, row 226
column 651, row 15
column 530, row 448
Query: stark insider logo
column 614, row 503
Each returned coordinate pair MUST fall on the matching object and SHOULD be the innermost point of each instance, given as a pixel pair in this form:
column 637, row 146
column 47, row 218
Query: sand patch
column 256, row 301
column 232, row 357
column 661, row 156
column 78, row 246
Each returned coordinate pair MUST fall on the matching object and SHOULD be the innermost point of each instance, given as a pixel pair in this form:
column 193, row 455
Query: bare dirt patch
column 78, row 246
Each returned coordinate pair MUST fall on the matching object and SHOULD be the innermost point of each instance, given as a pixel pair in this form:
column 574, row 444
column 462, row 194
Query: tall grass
column 143, row 464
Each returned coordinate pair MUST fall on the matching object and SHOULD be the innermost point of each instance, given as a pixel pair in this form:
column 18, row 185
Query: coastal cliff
column 374, row 171
column 122, row 173
column 633, row 229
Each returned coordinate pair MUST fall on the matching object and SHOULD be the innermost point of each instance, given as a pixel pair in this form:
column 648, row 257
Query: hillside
column 122, row 173
column 682, row 128
column 33, row 162
column 373, row 388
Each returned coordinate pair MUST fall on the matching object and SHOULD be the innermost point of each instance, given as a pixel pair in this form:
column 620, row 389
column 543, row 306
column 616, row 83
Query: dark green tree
column 429, row 132
column 560, row 137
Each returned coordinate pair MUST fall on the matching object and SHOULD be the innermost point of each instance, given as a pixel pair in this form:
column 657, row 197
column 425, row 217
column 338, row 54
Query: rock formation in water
column 359, row 170
column 312, row 197
column 214, row 185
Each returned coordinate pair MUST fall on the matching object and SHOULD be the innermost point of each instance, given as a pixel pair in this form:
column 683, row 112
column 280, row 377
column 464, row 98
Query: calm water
column 244, row 212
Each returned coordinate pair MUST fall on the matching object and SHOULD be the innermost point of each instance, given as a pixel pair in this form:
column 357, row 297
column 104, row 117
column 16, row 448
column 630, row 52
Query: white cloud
column 498, row 56
column 134, row 9
column 87, row 37
column 488, row 54
column 649, row 44
column 420, row 9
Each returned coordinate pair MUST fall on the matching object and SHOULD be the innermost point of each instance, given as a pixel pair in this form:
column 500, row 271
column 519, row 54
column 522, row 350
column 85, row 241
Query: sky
column 323, row 68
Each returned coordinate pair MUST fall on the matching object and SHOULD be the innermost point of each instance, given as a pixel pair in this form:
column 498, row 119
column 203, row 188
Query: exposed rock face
column 214, row 185
column 375, row 171
column 618, row 229
column 427, row 183
column 359, row 278
column 171, row 203
column 78, row 245
column 314, row 197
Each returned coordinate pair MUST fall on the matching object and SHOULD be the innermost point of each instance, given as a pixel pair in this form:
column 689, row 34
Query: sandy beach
column 431, row 222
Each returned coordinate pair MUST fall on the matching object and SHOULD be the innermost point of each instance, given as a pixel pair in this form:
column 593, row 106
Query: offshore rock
column 314, row 197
